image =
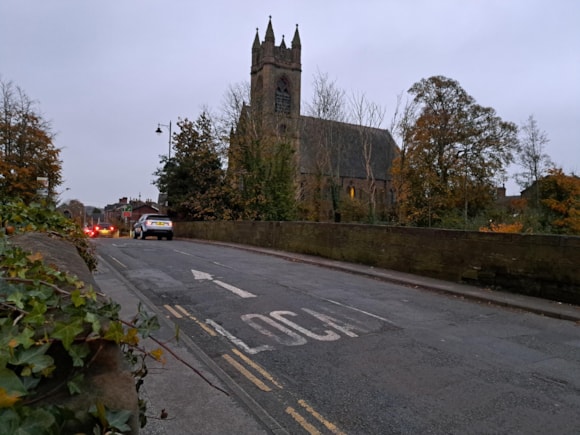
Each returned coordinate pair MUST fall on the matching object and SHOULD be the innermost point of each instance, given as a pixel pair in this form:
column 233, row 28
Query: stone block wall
column 544, row 266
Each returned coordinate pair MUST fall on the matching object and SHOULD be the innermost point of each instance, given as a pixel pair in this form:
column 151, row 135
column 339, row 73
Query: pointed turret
column 256, row 44
column 270, row 32
column 283, row 43
column 296, row 47
column 296, row 40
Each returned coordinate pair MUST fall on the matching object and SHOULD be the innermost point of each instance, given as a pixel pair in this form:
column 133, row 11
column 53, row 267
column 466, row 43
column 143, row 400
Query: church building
column 340, row 170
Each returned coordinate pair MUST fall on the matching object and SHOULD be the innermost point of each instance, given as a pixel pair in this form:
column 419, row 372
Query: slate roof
column 345, row 142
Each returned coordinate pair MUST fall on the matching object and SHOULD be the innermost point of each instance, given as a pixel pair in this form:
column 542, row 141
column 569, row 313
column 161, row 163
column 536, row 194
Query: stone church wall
column 537, row 265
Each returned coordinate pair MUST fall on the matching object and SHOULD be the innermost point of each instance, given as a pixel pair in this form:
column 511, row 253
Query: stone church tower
column 275, row 82
column 331, row 166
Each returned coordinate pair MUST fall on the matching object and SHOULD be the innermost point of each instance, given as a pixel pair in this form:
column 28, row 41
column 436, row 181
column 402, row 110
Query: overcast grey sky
column 106, row 72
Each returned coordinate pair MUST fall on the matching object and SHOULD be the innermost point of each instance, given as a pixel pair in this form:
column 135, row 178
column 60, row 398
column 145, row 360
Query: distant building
column 137, row 208
column 334, row 161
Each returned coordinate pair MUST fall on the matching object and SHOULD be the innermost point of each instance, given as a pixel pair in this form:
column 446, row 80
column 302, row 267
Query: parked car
column 104, row 229
column 89, row 231
column 153, row 225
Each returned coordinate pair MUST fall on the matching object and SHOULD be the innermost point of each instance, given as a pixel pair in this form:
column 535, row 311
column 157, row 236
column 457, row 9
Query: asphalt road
column 329, row 351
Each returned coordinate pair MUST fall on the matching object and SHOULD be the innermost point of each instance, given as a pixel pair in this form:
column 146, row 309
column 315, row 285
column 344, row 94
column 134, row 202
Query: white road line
column 197, row 274
column 360, row 311
column 184, row 253
column 238, row 291
column 250, row 350
column 118, row 262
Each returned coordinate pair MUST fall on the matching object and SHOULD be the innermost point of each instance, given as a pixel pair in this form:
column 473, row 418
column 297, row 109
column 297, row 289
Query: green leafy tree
column 261, row 168
column 262, row 178
column 455, row 152
column 193, row 179
column 27, row 150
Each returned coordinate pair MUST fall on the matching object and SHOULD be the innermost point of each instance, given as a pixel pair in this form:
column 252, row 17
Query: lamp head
column 158, row 131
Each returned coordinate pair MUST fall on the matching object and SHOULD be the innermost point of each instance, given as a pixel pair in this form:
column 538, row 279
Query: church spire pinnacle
column 296, row 40
column 270, row 32
column 256, row 44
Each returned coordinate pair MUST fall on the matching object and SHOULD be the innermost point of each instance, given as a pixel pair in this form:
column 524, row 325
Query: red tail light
column 97, row 228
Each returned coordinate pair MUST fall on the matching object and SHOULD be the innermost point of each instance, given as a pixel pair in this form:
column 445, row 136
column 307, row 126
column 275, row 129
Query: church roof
column 343, row 142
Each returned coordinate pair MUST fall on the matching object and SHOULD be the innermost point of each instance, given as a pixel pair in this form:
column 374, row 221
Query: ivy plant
column 45, row 313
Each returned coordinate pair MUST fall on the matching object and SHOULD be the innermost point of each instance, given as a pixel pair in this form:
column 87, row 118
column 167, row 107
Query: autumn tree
column 456, row 150
column 27, row 151
column 193, row 178
column 560, row 201
column 532, row 158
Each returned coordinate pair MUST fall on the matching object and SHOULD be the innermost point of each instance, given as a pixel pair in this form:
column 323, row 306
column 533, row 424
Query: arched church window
column 282, row 97
column 256, row 99
column 351, row 191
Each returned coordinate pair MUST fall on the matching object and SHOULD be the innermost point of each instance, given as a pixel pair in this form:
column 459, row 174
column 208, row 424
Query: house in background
column 128, row 211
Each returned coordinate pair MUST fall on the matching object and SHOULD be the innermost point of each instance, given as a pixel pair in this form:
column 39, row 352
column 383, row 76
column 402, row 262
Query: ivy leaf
column 16, row 298
column 146, row 323
column 115, row 332
column 9, row 420
column 77, row 298
column 7, row 333
column 118, row 420
column 35, row 358
column 7, row 400
column 78, row 353
column 132, row 337
column 38, row 421
column 157, row 354
column 75, row 384
column 91, row 294
column 36, row 315
column 94, row 321
column 24, row 338
column 66, row 332
column 11, row 387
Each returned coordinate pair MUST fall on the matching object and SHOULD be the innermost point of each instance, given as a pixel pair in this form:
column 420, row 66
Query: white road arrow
column 206, row 276
column 201, row 275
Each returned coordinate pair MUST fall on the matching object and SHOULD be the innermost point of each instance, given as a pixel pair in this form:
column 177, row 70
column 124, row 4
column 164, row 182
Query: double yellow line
column 267, row 383
column 261, row 378
column 179, row 312
column 267, row 377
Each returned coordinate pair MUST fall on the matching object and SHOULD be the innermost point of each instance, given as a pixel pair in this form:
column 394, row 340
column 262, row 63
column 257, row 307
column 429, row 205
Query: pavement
column 181, row 401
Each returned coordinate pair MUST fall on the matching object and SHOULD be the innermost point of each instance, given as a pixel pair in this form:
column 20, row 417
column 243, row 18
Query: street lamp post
column 159, row 131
